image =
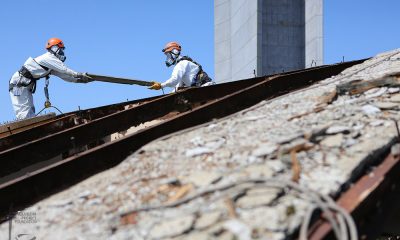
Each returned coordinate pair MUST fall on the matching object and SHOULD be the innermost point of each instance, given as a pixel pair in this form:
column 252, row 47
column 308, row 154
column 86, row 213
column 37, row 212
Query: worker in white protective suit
column 23, row 83
column 186, row 73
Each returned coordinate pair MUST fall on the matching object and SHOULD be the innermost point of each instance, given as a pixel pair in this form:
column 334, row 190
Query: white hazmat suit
column 183, row 75
column 21, row 87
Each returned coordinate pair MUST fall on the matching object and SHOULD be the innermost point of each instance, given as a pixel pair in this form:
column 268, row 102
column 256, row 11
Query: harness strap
column 191, row 60
column 199, row 73
column 27, row 74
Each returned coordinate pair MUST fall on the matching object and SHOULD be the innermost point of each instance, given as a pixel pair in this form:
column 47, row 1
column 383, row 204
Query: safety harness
column 25, row 73
column 201, row 76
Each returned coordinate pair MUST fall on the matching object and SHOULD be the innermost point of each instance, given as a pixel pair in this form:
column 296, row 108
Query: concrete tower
column 266, row 37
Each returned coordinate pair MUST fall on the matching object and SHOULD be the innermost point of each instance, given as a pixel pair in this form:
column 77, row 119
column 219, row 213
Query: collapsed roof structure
column 267, row 154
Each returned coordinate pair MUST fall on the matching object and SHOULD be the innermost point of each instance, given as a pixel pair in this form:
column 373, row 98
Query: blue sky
column 124, row 38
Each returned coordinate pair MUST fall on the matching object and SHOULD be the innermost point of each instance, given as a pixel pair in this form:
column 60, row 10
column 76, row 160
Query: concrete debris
column 393, row 90
column 198, row 151
column 333, row 141
column 298, row 144
column 258, row 171
column 197, row 141
column 85, row 194
column 376, row 92
column 330, row 145
column 370, row 110
column 207, row 219
column 131, row 130
column 265, row 149
column 395, row 149
column 172, row 227
column 263, row 217
column 377, row 123
column 94, row 201
column 349, row 142
column 241, row 230
column 61, row 203
column 179, row 193
column 256, row 200
column 202, row 178
column 395, row 98
column 337, row 129
column 386, row 105
column 328, row 97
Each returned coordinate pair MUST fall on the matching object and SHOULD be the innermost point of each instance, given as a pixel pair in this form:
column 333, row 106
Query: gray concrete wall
column 268, row 36
column 314, row 32
column 235, row 39
column 282, row 36
column 222, row 42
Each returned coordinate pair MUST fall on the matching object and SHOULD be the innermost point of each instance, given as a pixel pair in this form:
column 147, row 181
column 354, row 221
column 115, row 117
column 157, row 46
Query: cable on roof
column 342, row 223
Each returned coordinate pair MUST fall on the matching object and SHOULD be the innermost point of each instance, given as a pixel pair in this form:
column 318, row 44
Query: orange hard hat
column 172, row 45
column 53, row 42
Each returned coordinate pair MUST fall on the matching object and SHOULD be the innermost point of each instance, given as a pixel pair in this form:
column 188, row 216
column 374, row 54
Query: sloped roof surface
column 318, row 136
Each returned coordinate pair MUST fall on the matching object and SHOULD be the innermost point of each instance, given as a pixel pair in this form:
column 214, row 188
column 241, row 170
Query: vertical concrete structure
column 282, row 36
column 260, row 37
column 314, row 32
column 236, row 37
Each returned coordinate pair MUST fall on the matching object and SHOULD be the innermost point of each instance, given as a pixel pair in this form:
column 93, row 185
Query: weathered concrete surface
column 255, row 143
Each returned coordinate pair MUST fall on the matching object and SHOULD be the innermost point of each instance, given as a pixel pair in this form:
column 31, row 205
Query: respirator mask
column 171, row 57
column 58, row 52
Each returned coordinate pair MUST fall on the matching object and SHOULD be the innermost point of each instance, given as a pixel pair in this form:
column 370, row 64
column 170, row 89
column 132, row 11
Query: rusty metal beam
column 29, row 134
column 55, row 144
column 63, row 122
column 37, row 184
column 362, row 197
column 90, row 114
column 22, row 125
column 68, row 120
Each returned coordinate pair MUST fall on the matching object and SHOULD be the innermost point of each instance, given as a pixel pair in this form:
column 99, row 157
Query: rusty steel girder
column 63, row 122
column 8, row 129
column 72, row 119
column 77, row 117
column 50, row 146
column 363, row 197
